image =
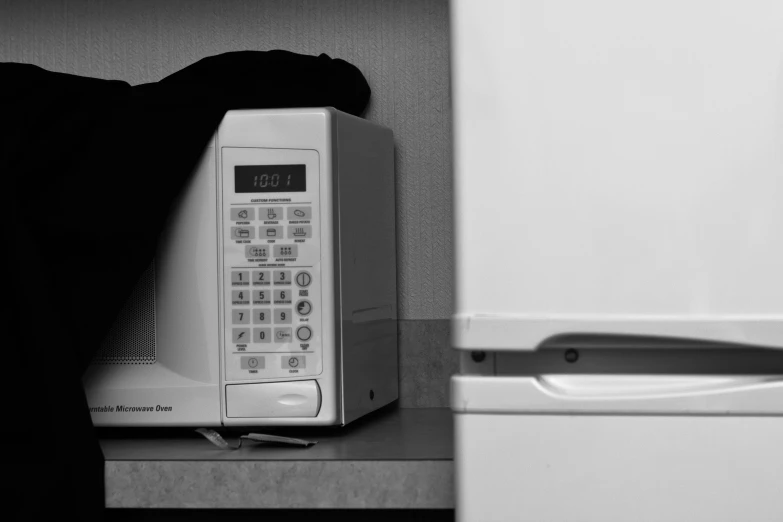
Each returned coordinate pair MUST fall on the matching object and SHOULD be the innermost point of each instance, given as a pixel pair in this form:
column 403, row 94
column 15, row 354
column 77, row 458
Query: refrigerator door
column 618, row 468
column 618, row 448
column 618, row 169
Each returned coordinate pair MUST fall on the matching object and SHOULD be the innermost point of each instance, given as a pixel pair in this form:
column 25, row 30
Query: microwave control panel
column 271, row 247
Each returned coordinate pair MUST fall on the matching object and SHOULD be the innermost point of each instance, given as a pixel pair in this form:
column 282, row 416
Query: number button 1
column 240, row 278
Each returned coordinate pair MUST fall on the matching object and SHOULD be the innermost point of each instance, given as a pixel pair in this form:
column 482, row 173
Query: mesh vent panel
column 131, row 339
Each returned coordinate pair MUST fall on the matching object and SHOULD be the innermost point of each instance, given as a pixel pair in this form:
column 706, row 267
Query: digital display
column 270, row 178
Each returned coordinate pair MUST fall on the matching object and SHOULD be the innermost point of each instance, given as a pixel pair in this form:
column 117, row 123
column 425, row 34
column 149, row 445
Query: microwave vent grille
column 131, row 339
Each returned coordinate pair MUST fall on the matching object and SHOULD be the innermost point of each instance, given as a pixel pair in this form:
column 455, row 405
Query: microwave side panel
column 266, row 397
column 367, row 265
column 172, row 315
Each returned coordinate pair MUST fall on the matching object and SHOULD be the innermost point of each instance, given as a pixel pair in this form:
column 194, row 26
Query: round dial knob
column 304, row 333
column 304, row 307
column 303, row 279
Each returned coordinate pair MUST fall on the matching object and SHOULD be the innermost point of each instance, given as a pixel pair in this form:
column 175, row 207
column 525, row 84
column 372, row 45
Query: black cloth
column 90, row 169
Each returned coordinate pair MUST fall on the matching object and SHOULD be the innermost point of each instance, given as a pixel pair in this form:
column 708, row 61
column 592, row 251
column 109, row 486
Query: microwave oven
column 271, row 300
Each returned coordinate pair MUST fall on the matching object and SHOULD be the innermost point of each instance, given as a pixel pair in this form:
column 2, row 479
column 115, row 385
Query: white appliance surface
column 618, row 167
column 272, row 298
column 593, row 468
column 618, row 173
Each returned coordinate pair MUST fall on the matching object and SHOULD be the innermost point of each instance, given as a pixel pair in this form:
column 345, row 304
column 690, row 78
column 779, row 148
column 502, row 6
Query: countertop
column 394, row 458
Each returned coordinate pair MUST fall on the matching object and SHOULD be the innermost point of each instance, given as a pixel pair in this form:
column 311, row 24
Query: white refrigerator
column 619, row 260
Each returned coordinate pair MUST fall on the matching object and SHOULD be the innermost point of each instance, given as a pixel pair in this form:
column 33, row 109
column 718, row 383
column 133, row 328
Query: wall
column 401, row 46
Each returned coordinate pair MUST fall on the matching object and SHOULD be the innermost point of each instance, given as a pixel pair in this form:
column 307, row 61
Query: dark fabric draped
column 90, row 170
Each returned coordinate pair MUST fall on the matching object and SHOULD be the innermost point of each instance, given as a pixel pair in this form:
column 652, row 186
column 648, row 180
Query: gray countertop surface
column 393, row 458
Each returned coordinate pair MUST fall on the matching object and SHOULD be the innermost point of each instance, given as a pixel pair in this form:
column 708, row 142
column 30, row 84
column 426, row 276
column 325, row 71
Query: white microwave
column 272, row 298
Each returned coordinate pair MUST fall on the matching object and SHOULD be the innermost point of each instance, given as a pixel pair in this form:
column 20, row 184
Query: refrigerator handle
column 620, row 394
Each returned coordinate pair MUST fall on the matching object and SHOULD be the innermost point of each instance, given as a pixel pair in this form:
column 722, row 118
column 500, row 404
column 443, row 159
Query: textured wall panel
column 427, row 363
column 401, row 46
